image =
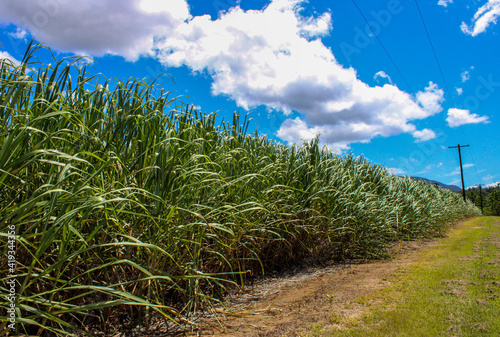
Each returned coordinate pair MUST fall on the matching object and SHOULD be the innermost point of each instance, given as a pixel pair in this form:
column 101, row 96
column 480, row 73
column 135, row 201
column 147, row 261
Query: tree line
column 490, row 198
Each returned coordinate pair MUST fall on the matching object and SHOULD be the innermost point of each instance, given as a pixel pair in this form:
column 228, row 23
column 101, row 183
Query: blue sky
column 368, row 77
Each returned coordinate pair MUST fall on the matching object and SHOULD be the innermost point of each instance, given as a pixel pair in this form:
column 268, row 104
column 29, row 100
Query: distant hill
column 448, row 187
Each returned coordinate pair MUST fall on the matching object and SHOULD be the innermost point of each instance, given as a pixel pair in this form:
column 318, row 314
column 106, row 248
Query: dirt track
column 289, row 305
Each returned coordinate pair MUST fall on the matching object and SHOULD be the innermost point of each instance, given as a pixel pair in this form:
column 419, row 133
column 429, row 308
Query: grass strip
column 450, row 290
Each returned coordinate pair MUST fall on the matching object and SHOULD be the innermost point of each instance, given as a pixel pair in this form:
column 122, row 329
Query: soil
column 290, row 304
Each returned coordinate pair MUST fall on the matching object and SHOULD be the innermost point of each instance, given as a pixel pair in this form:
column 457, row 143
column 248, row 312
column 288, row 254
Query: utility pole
column 461, row 169
column 481, row 197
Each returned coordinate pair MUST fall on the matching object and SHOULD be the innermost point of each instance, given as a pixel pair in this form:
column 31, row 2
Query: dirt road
column 290, row 305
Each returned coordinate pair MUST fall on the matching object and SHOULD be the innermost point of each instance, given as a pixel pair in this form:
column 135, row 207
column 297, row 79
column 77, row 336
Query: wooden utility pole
column 461, row 169
column 481, row 198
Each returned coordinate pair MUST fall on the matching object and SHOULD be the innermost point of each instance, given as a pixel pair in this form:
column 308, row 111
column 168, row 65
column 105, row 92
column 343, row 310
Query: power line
column 434, row 52
column 388, row 55
column 382, row 45
column 403, row 77
column 444, row 80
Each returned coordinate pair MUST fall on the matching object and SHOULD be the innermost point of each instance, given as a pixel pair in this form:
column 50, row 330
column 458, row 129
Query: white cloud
column 5, row 55
column 296, row 130
column 19, row 34
column 382, row 74
column 396, row 171
column 431, row 99
column 457, row 117
column 262, row 57
column 314, row 27
column 96, row 27
column 491, row 185
column 488, row 179
column 465, row 76
column 272, row 57
column 486, row 15
column 460, row 91
column 445, row 3
column 424, row 135
column 457, row 170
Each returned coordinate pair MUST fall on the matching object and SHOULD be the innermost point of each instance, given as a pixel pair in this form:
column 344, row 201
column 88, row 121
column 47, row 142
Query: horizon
column 396, row 82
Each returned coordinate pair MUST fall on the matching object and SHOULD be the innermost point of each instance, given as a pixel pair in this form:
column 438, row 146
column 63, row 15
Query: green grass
column 452, row 290
column 126, row 200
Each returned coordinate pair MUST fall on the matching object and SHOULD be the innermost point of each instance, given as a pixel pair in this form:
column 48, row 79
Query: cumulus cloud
column 5, row 55
column 431, row 99
column 95, row 27
column 267, row 57
column 314, row 27
column 272, row 57
column 460, row 91
column 491, row 185
column 486, row 15
column 445, row 3
column 424, row 135
column 457, row 117
column 382, row 74
column 295, row 130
